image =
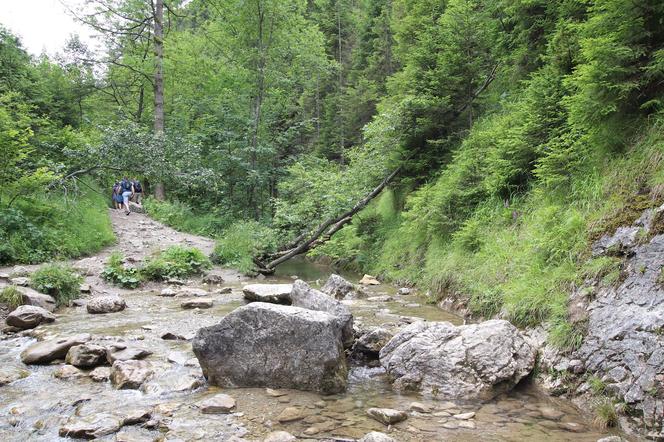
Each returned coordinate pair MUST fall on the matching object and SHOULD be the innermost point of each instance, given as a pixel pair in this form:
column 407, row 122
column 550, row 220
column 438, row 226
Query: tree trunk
column 258, row 105
column 159, row 192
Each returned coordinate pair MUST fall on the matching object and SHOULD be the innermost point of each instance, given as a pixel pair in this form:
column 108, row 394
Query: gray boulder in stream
column 29, row 316
column 304, row 296
column 51, row 350
column 277, row 346
column 338, row 287
column 477, row 361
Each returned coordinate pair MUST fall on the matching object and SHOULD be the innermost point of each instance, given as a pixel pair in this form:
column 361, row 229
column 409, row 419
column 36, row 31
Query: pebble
column 419, row 407
column 290, row 414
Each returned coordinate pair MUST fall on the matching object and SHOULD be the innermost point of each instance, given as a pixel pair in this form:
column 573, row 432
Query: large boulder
column 33, row 297
column 304, row 296
column 29, row 316
column 338, row 287
column 48, row 351
column 267, row 345
column 106, row 304
column 477, row 361
column 273, row 293
column 86, row 355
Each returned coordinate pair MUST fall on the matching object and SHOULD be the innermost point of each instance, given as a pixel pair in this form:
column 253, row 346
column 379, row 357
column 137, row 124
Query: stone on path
column 48, row 351
column 469, row 361
column 369, row 280
column 268, row 345
column 273, row 293
column 130, row 374
column 106, row 304
column 338, row 287
column 376, row 436
column 86, row 355
column 29, row 316
column 220, row 403
column 197, row 303
column 387, row 416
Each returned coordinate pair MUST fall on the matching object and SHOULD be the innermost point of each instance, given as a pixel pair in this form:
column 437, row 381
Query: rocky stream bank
column 345, row 362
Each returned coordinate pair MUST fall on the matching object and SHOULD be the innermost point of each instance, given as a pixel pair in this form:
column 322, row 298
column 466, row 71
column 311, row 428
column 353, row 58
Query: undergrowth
column 11, row 296
column 58, row 280
column 242, row 241
column 175, row 262
column 117, row 273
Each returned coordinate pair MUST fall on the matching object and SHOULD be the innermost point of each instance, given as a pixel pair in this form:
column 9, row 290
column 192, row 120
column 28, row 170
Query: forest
column 520, row 131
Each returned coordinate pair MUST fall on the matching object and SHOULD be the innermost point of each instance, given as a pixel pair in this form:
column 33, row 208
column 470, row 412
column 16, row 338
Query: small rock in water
column 404, row 291
column 133, row 416
column 68, row 372
column 213, row 278
column 466, row 424
column 551, row 413
column 168, row 292
column 173, row 336
column 387, row 416
column 191, row 291
column 197, row 303
column 224, row 291
column 464, row 416
column 275, row 393
column 120, row 352
column 10, row 374
column 106, row 304
column 369, row 280
column 177, row 357
column 100, row 374
column 220, row 403
column 29, row 316
column 572, row 426
column 279, row 436
column 90, row 427
column 130, row 374
column 86, row 355
column 380, row 298
column 290, row 414
column 376, row 436
column 419, row 407
column 51, row 350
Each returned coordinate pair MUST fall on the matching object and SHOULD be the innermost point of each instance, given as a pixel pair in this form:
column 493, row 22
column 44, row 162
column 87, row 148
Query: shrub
column 175, row 262
column 183, row 218
column 11, row 296
column 57, row 280
column 117, row 273
column 243, row 240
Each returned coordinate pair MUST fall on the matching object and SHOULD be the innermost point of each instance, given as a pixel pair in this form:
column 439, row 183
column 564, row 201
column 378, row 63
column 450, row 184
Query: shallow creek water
column 34, row 408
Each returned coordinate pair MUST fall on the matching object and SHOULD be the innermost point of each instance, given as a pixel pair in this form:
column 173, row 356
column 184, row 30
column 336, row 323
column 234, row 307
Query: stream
column 35, row 407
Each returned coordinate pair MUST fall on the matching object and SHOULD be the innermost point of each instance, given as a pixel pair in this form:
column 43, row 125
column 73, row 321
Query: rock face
column 33, row 297
column 49, row 351
column 86, row 355
column 129, row 374
column 624, row 344
column 338, row 287
column 273, row 293
column 267, row 345
column 106, row 304
column 29, row 316
column 469, row 361
column 304, row 296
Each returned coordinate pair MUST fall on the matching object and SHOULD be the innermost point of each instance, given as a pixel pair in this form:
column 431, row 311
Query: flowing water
column 35, row 407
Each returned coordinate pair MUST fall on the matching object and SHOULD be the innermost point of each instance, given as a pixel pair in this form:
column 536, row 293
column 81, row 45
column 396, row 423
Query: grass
column 606, row 415
column 183, row 218
column 175, row 262
column 11, row 296
column 59, row 281
column 116, row 272
column 51, row 226
column 240, row 242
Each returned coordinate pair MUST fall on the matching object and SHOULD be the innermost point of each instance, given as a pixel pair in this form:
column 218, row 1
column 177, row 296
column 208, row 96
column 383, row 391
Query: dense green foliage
column 242, row 241
column 11, row 296
column 59, row 281
column 119, row 274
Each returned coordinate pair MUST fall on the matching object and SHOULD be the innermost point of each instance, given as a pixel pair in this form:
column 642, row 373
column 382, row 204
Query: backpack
column 137, row 187
column 126, row 186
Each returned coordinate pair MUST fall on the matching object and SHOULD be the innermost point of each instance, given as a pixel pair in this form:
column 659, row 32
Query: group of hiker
column 124, row 191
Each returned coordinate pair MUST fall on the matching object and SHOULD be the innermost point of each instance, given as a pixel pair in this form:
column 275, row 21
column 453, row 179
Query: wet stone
column 279, row 436
column 86, row 355
column 90, row 427
column 29, row 316
column 130, row 374
column 275, row 393
column 197, row 303
column 105, row 304
column 51, row 350
column 10, row 374
column 464, row 416
column 376, row 436
column 572, row 427
column 290, row 414
column 220, row 403
column 168, row 292
column 121, row 352
column 100, row 374
column 68, row 372
column 467, row 424
column 419, row 407
column 133, row 416
column 550, row 413
column 387, row 416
